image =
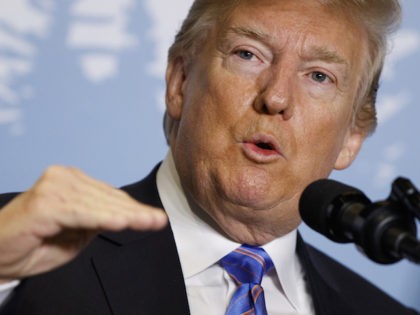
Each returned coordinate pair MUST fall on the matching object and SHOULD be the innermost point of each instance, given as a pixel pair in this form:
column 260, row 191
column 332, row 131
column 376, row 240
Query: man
column 263, row 97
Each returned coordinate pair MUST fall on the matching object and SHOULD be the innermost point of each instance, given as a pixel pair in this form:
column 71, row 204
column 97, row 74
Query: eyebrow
column 313, row 53
column 323, row 54
column 241, row 31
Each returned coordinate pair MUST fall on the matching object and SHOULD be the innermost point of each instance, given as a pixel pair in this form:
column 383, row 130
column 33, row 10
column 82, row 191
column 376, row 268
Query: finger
column 114, row 210
column 125, row 209
column 66, row 198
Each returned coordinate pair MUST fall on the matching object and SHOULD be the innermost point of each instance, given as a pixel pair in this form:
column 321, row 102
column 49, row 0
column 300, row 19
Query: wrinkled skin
column 262, row 111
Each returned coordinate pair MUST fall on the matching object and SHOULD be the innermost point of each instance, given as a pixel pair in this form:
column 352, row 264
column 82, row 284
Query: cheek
column 321, row 139
column 214, row 106
column 203, row 132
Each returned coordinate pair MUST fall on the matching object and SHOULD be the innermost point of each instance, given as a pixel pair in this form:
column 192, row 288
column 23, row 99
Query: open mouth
column 262, row 148
column 265, row 146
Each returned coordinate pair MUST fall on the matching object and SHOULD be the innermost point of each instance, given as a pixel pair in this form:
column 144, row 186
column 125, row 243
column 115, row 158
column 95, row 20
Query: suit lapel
column 141, row 272
column 143, row 277
column 323, row 287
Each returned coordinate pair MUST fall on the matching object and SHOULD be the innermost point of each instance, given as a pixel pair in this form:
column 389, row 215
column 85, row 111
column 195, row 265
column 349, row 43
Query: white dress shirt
column 200, row 247
column 6, row 289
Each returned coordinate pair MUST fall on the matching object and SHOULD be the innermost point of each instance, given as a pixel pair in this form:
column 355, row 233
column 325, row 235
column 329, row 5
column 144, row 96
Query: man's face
column 263, row 110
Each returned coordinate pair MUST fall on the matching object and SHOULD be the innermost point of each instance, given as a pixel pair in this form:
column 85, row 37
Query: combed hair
column 379, row 19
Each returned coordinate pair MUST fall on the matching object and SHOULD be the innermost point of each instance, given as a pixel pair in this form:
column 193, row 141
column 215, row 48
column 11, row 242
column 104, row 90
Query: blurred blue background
column 81, row 83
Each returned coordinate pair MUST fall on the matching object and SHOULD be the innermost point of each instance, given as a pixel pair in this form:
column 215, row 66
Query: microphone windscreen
column 317, row 200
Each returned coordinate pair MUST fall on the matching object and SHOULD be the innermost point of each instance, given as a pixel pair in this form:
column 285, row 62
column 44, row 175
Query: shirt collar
column 200, row 246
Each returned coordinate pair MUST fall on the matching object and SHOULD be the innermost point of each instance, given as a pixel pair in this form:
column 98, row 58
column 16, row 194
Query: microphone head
column 344, row 214
column 322, row 201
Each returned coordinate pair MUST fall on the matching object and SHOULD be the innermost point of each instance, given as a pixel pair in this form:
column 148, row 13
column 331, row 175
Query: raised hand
column 49, row 224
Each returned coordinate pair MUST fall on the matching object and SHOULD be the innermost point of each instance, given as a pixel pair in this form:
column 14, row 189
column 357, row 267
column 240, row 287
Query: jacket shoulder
column 6, row 198
column 359, row 294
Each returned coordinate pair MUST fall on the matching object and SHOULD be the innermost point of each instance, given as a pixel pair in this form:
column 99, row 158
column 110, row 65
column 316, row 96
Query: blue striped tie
column 247, row 265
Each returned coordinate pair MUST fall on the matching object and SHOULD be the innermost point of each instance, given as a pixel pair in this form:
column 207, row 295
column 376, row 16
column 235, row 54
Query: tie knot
column 247, row 264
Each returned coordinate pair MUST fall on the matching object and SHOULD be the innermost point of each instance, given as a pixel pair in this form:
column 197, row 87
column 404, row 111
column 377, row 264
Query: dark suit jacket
column 139, row 273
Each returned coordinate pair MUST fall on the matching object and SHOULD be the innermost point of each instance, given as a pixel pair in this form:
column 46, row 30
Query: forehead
column 318, row 11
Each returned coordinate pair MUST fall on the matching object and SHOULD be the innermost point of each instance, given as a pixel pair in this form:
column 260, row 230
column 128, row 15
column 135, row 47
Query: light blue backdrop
column 81, row 84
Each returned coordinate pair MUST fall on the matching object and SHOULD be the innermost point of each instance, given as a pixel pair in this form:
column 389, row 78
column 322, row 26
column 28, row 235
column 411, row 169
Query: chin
column 253, row 200
column 252, row 190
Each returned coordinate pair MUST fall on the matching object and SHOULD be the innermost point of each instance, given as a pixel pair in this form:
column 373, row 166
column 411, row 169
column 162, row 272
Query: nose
column 275, row 95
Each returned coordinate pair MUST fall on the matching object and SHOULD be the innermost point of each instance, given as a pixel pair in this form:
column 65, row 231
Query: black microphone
column 384, row 231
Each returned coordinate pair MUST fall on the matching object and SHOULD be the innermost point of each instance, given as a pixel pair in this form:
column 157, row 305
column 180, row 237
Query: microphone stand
column 406, row 195
column 388, row 232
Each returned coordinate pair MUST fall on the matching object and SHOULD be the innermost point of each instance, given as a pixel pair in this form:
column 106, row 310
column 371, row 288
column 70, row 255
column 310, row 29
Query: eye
column 245, row 54
column 246, row 58
column 319, row 77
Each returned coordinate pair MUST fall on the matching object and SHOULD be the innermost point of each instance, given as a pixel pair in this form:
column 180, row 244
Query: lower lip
column 259, row 155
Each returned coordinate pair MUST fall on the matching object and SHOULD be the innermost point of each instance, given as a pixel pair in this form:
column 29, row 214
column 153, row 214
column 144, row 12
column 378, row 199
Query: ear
column 351, row 147
column 175, row 79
